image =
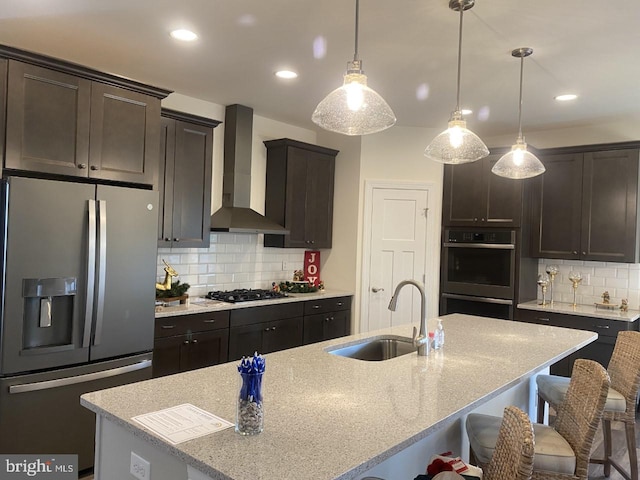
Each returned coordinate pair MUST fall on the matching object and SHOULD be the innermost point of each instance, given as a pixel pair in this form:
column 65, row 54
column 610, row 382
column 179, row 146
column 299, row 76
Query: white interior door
column 397, row 251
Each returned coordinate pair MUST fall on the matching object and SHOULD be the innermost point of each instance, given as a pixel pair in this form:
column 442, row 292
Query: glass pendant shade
column 354, row 108
column 456, row 145
column 518, row 163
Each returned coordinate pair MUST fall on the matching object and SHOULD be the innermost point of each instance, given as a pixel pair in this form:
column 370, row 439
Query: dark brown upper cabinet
column 585, row 206
column 3, row 104
column 299, row 193
column 186, row 149
column 473, row 196
column 65, row 119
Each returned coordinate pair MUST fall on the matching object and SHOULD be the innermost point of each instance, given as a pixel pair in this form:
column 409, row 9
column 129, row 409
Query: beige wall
column 603, row 132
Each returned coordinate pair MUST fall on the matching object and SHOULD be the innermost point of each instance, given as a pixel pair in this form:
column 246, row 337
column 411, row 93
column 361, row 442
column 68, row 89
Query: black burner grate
column 244, row 295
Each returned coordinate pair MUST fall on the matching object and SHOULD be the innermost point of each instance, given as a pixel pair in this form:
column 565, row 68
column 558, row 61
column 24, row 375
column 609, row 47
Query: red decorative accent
column 312, row 267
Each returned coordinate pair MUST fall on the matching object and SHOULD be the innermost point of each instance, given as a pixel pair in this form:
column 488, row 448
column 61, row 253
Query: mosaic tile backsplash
column 231, row 261
column 621, row 280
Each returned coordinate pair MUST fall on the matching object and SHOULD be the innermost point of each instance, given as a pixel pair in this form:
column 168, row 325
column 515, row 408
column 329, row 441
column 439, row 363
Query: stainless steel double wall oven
column 479, row 271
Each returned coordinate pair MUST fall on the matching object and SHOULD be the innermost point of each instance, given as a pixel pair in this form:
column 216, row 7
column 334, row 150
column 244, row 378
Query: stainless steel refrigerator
column 77, row 277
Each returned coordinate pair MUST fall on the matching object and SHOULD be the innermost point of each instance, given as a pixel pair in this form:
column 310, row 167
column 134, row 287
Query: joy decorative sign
column 312, row 267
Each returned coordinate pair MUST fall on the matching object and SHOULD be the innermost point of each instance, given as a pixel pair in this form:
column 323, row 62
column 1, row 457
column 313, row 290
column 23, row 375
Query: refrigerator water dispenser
column 48, row 312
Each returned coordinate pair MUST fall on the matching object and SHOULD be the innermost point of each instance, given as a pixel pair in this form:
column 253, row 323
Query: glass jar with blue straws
column 250, row 412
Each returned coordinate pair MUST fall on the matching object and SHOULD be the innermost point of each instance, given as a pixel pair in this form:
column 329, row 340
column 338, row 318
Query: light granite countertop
column 203, row 304
column 330, row 417
column 583, row 310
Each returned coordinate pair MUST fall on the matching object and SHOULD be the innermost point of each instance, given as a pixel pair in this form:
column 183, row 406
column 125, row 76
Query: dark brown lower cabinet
column 599, row 351
column 326, row 318
column 187, row 342
column 265, row 329
column 264, row 337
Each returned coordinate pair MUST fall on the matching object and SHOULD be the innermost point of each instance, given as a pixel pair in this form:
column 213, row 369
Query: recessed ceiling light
column 184, row 35
column 288, row 74
column 466, row 111
column 566, row 97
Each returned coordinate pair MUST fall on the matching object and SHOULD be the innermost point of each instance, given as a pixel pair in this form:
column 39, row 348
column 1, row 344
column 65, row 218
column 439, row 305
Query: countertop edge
column 195, row 307
column 582, row 311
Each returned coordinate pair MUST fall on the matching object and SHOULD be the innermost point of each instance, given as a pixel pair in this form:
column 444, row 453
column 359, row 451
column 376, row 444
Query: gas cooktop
column 244, row 295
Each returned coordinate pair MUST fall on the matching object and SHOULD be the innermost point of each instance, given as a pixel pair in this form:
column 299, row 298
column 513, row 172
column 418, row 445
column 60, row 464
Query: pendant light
column 519, row 163
column 354, row 108
column 457, row 144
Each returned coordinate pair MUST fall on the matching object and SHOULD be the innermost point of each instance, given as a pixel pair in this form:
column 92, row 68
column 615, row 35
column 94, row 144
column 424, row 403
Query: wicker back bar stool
column 512, row 458
column 561, row 452
column 624, row 371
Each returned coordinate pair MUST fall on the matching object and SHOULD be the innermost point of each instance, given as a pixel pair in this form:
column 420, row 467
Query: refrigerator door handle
column 102, row 269
column 88, row 377
column 91, row 273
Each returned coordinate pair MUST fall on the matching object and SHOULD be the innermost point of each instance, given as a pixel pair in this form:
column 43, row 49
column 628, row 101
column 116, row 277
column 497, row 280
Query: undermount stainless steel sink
column 375, row 349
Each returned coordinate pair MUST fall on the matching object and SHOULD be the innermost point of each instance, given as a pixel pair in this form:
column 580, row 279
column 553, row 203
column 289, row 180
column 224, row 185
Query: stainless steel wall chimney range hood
column 235, row 215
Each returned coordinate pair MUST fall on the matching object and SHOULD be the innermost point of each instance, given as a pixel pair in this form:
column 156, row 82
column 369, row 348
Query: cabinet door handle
column 82, row 166
column 584, row 253
column 326, row 319
column 167, row 327
column 94, row 168
column 176, row 239
column 340, row 303
column 194, row 341
column 482, row 219
column 267, row 329
column 575, row 252
column 211, row 320
column 167, row 239
column 602, row 326
column 186, row 342
column 475, row 219
column 273, row 328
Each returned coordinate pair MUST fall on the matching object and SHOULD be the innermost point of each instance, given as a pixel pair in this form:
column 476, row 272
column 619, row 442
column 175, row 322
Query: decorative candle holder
column 576, row 278
column 543, row 281
column 250, row 408
column 552, row 271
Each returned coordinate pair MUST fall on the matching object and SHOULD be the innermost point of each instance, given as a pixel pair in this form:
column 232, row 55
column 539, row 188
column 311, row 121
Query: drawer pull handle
column 542, row 319
column 602, row 326
column 340, row 303
column 209, row 321
column 315, row 307
column 167, row 327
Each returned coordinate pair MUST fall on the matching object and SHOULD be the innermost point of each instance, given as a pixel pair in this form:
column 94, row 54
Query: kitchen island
column 331, row 417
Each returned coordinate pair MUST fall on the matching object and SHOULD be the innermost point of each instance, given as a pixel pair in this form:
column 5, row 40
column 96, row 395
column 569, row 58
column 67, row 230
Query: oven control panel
column 480, row 236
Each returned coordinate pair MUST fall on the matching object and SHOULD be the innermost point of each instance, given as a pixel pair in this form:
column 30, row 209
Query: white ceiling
column 590, row 47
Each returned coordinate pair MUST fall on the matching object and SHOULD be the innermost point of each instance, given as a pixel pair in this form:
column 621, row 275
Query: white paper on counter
column 182, row 423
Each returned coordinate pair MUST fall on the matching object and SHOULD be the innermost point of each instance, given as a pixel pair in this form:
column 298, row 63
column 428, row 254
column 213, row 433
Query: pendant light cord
column 520, row 104
column 355, row 55
column 459, row 56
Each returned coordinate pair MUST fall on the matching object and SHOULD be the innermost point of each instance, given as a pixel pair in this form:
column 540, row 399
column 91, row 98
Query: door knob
column 377, row 289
